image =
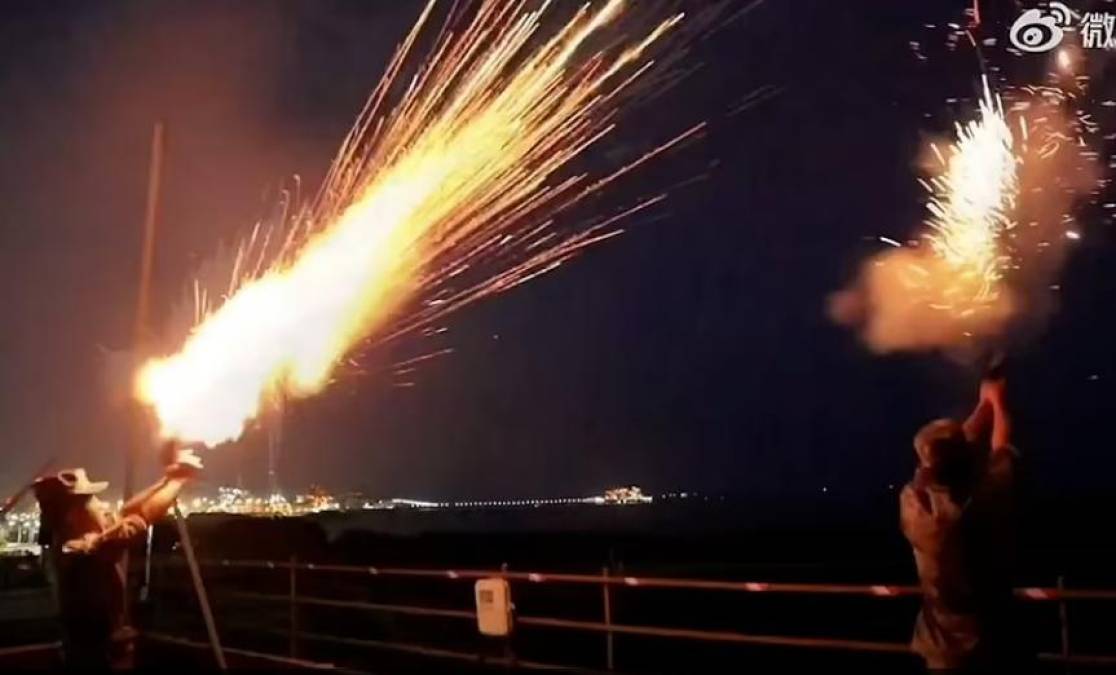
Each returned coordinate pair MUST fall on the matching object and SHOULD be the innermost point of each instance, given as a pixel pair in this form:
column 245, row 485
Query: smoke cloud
column 896, row 302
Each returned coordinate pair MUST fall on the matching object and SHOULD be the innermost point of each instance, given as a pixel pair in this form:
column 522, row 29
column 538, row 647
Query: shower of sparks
column 971, row 207
column 463, row 170
column 1015, row 188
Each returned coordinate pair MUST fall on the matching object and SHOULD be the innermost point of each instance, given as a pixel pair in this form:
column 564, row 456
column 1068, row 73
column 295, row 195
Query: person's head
column 69, row 504
column 942, row 449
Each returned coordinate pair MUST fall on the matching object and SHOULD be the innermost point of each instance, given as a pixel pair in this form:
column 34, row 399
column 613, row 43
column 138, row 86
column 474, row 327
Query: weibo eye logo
column 1038, row 31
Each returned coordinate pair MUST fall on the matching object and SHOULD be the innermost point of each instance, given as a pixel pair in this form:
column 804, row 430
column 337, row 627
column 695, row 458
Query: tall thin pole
column 606, row 589
column 137, row 442
column 140, row 441
column 147, row 261
column 1063, row 619
column 293, row 589
column 199, row 588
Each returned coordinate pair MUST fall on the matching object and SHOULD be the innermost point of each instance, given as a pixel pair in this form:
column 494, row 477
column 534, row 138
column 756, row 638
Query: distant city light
column 21, row 530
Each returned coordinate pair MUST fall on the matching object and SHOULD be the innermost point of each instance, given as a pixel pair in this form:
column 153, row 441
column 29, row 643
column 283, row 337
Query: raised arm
column 992, row 393
column 142, row 509
column 976, row 425
column 153, row 503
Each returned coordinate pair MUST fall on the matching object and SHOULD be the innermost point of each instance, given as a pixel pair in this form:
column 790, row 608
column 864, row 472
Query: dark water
column 811, row 541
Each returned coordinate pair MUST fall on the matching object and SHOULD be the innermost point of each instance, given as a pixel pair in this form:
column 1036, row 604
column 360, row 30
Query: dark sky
column 692, row 352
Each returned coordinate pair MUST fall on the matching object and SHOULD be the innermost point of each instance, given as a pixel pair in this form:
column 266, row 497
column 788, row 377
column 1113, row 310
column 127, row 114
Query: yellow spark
column 461, row 163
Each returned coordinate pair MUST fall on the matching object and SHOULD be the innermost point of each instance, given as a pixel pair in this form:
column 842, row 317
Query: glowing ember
column 458, row 171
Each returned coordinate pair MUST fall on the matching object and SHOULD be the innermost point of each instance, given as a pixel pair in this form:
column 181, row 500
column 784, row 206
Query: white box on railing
column 494, row 607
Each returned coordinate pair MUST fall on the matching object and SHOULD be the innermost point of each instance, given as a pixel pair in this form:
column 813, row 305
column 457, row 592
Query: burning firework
column 948, row 285
column 461, row 171
column 972, row 204
column 1000, row 211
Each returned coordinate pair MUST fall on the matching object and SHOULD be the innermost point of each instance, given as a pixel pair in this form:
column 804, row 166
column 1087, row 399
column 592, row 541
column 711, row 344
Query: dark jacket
column 90, row 575
column 963, row 543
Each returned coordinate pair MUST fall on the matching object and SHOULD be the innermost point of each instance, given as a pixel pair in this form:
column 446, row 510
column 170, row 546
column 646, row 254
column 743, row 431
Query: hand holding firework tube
column 992, row 395
column 181, row 466
column 180, row 462
column 990, row 413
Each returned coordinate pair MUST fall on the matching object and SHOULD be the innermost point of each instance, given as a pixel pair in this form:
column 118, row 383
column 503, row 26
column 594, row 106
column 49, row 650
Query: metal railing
column 608, row 582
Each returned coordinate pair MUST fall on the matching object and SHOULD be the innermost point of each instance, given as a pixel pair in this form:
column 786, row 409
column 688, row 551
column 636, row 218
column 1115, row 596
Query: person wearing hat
column 957, row 514
column 86, row 544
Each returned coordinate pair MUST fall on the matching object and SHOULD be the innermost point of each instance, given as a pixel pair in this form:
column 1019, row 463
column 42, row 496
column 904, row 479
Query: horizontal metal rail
column 354, row 604
column 1089, row 660
column 720, row 636
column 1039, row 594
column 437, row 652
column 1036, row 594
column 645, row 631
column 548, row 622
column 1079, row 659
column 261, row 656
column 20, row 650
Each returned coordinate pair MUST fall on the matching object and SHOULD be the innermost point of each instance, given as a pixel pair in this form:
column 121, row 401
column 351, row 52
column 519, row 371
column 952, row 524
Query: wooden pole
column 607, row 591
column 199, row 588
column 293, row 599
column 1063, row 620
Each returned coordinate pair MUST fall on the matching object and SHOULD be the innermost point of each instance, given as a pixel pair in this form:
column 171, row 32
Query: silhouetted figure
column 86, row 544
column 958, row 512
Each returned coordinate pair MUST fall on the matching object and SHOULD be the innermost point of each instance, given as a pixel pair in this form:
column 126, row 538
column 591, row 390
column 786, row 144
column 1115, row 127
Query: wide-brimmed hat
column 67, row 483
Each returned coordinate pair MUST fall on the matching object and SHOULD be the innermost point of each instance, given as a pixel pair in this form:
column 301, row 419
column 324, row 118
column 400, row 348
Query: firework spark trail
column 459, row 169
column 972, row 205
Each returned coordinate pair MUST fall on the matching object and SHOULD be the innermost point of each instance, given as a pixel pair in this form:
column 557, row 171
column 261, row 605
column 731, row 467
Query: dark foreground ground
column 712, row 540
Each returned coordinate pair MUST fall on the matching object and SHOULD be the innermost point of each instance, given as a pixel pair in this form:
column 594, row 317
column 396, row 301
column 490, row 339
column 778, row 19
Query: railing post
column 160, row 590
column 606, row 590
column 1063, row 618
column 509, row 651
column 293, row 576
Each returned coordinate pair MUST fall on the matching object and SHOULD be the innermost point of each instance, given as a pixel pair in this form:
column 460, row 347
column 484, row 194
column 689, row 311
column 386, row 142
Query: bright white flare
column 972, row 205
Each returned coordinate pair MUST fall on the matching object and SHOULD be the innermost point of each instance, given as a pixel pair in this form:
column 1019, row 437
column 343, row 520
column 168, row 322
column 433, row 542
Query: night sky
column 693, row 352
